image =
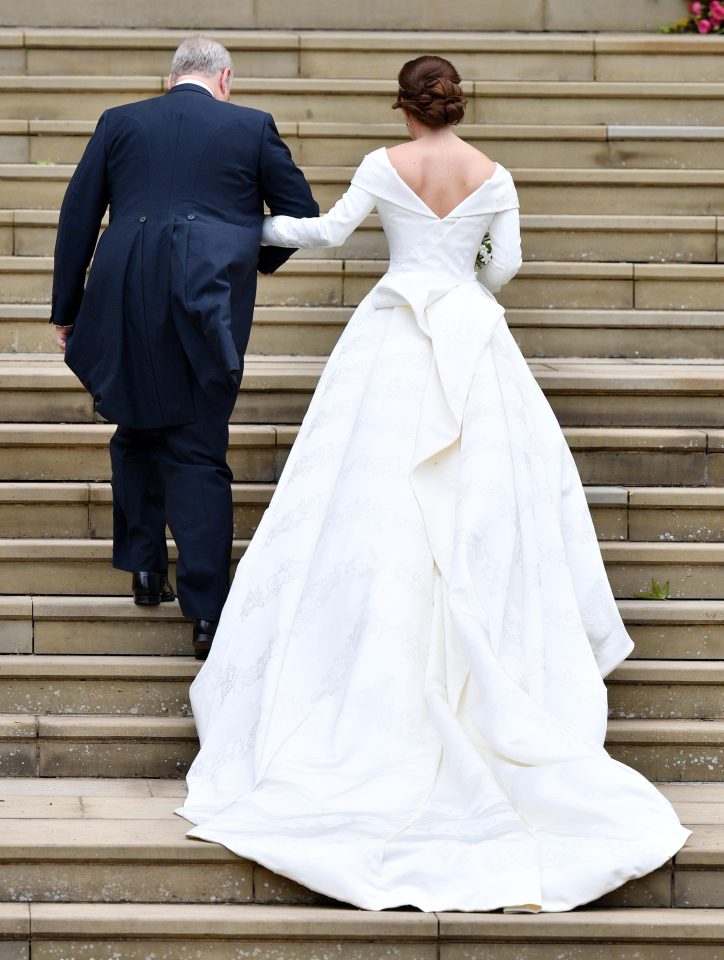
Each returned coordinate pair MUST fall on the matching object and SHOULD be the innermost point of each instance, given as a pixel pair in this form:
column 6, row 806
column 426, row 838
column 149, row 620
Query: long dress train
column 404, row 700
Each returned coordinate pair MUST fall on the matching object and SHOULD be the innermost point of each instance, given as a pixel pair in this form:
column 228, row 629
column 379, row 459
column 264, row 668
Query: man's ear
column 169, row 82
column 226, row 75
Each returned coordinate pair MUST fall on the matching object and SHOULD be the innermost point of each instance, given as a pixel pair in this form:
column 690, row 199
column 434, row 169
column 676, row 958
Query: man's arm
column 284, row 189
column 81, row 214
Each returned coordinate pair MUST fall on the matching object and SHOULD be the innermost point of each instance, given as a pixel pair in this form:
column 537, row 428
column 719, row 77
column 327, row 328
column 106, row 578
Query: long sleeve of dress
column 330, row 230
column 504, row 233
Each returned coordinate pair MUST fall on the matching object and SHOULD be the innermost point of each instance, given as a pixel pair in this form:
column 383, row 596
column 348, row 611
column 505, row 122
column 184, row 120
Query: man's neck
column 196, row 80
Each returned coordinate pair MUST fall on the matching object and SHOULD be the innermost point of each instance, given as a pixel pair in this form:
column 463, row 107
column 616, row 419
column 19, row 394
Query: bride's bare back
column 441, row 169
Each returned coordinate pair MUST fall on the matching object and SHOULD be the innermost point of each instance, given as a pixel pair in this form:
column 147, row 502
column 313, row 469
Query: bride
column 404, row 703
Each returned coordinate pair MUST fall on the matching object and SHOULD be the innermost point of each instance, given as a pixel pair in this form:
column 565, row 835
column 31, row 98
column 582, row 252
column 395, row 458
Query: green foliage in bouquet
column 705, row 16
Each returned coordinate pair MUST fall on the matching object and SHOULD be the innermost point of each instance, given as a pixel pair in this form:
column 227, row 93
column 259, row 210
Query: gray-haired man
column 158, row 335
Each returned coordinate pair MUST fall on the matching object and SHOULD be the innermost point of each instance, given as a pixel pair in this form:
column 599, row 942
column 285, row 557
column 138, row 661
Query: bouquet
column 485, row 253
column 705, row 16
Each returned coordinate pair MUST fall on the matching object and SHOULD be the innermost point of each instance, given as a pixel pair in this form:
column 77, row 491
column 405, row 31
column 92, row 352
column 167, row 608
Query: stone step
column 158, row 686
column 543, row 285
column 662, row 690
column 98, row 685
column 105, row 848
column 673, row 629
column 605, row 333
column 665, row 514
column 308, row 932
column 72, row 566
column 369, row 100
column 571, row 192
column 40, row 388
column 313, row 331
column 67, row 510
column 611, row 456
column 682, row 750
column 693, row 570
column 80, row 452
column 648, row 457
column 545, row 237
column 575, row 146
column 103, row 746
column 62, row 625
column 368, row 54
column 128, row 746
column 535, row 15
column 83, row 567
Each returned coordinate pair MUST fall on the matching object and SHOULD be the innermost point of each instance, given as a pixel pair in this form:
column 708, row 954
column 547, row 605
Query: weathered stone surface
column 142, row 882
column 136, row 686
column 705, row 888
column 692, row 570
column 18, row 758
column 653, row 890
column 651, row 690
column 271, row 888
column 16, row 625
column 676, row 629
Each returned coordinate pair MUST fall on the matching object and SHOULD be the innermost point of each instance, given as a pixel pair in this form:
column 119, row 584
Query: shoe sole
column 146, row 601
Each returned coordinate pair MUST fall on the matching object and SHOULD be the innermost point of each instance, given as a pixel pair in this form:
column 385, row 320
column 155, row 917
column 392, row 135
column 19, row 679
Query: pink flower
column 703, row 26
column 716, row 13
column 695, row 8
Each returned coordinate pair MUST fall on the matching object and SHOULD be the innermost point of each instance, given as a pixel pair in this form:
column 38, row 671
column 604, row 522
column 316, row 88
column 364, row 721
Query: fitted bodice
column 418, row 239
column 421, row 243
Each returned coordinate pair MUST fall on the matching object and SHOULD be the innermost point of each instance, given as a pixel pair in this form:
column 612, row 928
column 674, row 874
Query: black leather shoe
column 150, row 589
column 167, row 594
column 204, row 631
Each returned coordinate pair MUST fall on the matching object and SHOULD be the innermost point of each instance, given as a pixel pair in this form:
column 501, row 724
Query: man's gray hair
column 199, row 55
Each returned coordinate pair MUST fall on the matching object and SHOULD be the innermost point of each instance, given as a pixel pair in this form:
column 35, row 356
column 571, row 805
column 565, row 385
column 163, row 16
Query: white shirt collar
column 199, row 83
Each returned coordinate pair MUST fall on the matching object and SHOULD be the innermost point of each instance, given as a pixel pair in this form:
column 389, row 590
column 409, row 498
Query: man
column 158, row 335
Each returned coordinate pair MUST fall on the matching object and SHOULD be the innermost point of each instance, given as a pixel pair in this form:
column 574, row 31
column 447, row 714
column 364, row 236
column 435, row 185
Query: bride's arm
column 330, row 230
column 504, row 233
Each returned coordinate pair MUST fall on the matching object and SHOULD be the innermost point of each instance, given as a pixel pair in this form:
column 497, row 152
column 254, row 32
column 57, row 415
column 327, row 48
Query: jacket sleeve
column 81, row 213
column 330, row 230
column 284, row 190
column 506, row 260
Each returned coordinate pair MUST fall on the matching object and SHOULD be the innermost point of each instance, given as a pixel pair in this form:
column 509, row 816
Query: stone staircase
column 615, row 141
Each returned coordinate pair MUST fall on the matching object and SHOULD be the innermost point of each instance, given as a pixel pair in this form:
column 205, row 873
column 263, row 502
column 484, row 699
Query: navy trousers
column 178, row 476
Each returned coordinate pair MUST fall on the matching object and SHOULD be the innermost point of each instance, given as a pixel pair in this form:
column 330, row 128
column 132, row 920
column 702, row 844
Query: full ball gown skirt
column 404, row 700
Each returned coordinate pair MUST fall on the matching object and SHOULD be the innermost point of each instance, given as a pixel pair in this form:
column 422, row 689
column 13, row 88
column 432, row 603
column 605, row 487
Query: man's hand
column 61, row 336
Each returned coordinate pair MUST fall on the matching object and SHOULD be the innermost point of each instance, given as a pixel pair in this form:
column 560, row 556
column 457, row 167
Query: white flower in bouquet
column 485, row 253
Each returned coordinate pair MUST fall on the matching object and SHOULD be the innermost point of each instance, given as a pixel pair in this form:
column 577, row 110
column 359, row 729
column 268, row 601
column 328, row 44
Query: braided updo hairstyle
column 430, row 91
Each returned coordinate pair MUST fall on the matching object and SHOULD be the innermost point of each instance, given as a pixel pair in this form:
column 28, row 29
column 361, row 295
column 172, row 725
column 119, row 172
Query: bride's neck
column 418, row 131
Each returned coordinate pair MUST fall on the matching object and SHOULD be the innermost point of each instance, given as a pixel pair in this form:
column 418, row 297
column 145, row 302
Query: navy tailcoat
column 170, row 294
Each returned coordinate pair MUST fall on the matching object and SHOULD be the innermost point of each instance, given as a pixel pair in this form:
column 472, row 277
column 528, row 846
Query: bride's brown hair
column 430, row 91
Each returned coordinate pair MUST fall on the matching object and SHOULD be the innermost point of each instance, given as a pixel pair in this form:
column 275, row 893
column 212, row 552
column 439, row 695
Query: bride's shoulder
column 373, row 159
column 370, row 170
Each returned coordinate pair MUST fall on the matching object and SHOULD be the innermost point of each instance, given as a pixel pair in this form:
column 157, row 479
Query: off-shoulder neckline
column 457, row 206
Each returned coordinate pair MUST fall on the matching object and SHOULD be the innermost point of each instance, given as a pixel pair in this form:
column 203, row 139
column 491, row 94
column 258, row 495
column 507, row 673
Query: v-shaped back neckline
column 429, row 209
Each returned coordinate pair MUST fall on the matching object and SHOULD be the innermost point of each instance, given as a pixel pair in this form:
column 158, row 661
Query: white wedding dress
column 404, row 701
